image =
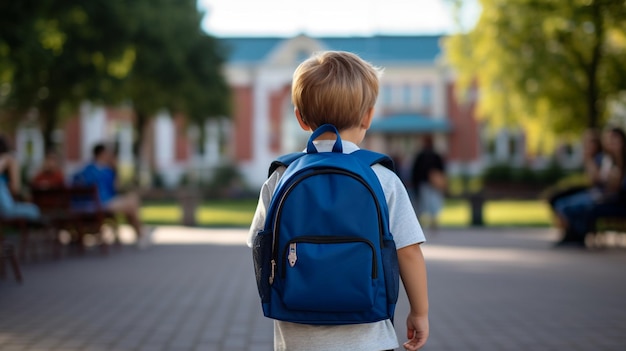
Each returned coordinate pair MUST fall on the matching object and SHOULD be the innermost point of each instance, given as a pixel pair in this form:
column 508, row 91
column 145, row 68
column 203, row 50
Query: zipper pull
column 272, row 273
column 292, row 254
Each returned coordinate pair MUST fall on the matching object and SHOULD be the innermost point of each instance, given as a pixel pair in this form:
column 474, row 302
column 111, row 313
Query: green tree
column 548, row 66
column 54, row 55
column 151, row 53
column 177, row 66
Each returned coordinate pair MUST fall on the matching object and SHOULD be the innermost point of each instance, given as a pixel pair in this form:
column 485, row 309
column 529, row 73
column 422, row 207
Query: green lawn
column 238, row 213
column 517, row 213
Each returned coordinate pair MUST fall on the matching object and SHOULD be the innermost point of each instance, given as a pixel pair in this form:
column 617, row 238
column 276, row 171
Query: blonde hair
column 334, row 87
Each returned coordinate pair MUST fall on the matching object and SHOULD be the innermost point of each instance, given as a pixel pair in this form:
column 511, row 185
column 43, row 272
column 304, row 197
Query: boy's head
column 334, row 87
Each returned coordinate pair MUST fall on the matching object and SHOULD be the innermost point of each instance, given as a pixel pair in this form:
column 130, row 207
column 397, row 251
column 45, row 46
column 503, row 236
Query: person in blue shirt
column 102, row 173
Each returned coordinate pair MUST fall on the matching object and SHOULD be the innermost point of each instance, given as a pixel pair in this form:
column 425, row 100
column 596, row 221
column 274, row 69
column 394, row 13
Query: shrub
column 498, row 173
column 227, row 182
column 504, row 173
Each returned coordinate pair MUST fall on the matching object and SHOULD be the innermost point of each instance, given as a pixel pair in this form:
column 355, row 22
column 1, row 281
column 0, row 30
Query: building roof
column 409, row 123
column 379, row 48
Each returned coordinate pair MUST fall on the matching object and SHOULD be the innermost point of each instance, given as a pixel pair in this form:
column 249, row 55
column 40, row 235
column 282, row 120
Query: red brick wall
column 119, row 114
column 243, row 122
column 73, row 136
column 182, row 147
column 463, row 141
column 277, row 101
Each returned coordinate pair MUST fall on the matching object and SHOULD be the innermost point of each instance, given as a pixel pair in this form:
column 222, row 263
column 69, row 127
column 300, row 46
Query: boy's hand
column 416, row 332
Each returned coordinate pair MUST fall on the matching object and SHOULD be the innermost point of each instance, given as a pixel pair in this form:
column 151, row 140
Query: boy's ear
column 302, row 124
column 367, row 119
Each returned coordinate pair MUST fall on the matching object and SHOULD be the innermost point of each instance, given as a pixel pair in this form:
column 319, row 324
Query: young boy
column 339, row 88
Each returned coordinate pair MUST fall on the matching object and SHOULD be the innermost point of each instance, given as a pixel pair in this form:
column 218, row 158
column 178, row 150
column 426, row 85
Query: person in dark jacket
column 429, row 181
column 581, row 220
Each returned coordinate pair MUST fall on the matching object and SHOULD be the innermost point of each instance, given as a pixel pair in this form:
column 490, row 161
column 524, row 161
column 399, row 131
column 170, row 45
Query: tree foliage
column 55, row 54
column 550, row 67
column 177, row 65
column 150, row 53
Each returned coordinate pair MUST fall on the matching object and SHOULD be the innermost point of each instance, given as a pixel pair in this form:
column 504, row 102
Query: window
column 386, row 95
column 427, row 95
column 407, row 95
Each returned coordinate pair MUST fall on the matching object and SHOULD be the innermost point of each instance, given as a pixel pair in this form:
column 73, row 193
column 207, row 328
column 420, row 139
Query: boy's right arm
column 413, row 273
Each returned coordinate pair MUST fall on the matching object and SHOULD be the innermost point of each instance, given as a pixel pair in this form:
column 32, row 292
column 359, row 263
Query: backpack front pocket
column 329, row 274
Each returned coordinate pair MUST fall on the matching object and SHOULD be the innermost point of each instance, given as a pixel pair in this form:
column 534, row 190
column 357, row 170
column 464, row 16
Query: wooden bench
column 76, row 209
column 610, row 231
column 12, row 253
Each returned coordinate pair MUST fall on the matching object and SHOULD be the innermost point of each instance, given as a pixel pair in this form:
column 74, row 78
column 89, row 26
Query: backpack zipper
column 329, row 240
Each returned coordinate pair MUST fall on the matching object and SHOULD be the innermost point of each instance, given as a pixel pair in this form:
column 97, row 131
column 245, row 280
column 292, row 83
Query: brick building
column 416, row 98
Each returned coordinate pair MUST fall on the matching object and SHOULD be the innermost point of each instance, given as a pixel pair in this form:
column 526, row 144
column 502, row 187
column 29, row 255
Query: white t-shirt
column 406, row 231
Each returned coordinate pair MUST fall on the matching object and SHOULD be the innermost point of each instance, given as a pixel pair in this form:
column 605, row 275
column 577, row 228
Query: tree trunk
column 48, row 116
column 140, row 126
column 594, row 110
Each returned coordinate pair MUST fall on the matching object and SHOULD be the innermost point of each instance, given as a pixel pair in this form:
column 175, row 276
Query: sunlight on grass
column 219, row 213
column 517, row 213
column 456, row 213
column 224, row 217
column 169, row 214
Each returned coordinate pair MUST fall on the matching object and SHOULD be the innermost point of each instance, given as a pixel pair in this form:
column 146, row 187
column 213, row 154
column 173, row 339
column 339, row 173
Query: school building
column 416, row 98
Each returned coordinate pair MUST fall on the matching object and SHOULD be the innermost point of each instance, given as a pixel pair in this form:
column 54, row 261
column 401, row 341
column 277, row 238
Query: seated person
column 50, row 175
column 579, row 220
column 101, row 172
column 10, row 187
column 597, row 164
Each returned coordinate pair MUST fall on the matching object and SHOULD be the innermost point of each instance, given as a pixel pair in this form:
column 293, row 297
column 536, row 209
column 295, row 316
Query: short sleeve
column 267, row 191
column 403, row 222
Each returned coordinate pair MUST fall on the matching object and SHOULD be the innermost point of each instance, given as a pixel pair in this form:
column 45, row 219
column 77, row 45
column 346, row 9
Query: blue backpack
column 325, row 255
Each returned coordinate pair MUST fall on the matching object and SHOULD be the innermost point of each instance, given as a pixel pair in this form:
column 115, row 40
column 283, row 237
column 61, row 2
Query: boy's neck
column 354, row 135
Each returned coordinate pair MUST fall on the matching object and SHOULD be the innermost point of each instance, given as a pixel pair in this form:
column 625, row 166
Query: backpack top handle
column 310, row 147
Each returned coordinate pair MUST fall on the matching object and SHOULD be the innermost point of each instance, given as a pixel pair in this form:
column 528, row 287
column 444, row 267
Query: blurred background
column 193, row 97
column 196, row 94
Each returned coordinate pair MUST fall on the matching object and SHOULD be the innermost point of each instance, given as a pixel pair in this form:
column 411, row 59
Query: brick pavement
column 194, row 290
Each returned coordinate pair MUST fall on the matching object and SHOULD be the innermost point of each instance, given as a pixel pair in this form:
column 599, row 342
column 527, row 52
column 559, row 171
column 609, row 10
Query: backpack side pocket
column 392, row 270
column 262, row 256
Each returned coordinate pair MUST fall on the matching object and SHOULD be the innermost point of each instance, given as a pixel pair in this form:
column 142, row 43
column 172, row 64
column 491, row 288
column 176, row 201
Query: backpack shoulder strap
column 284, row 161
column 372, row 158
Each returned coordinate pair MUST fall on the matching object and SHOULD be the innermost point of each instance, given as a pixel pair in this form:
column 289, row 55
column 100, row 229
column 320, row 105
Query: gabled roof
column 379, row 48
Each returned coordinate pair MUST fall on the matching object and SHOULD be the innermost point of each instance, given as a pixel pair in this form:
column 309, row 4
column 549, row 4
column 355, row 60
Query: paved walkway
column 194, row 290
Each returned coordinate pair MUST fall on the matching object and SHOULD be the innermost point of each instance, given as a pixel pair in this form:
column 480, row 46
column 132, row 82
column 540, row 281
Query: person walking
column 429, row 182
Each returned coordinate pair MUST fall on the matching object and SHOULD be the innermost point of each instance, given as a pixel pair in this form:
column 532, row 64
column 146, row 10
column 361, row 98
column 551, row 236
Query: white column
column 125, row 152
column 212, row 142
column 439, row 92
column 502, row 152
column 267, row 80
column 163, row 141
column 93, row 127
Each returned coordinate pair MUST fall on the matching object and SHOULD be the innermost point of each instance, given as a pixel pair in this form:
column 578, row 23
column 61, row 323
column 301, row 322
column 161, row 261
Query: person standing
column 429, row 182
column 347, row 86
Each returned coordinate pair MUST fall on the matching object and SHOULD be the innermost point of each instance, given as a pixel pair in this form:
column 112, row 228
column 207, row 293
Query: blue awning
column 409, row 123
